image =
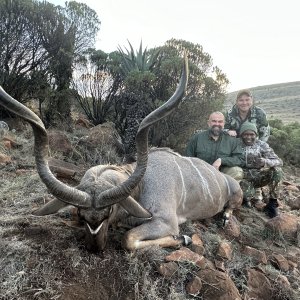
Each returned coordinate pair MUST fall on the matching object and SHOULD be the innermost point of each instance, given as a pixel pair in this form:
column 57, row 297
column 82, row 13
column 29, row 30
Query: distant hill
column 280, row 101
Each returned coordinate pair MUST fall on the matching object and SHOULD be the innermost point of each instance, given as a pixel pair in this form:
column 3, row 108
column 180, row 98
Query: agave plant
column 141, row 60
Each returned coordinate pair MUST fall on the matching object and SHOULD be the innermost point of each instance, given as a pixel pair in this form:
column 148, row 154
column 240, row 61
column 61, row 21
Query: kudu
column 154, row 195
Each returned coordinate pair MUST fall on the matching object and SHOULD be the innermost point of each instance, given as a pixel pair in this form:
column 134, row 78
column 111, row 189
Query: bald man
column 218, row 148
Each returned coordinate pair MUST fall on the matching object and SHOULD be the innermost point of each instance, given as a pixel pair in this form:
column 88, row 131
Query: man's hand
column 217, row 163
column 259, row 162
column 231, row 132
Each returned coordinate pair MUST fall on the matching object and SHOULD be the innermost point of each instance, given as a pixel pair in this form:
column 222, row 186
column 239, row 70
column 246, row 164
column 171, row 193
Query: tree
column 66, row 34
column 205, row 92
column 39, row 45
column 136, row 98
column 285, row 141
column 96, row 84
column 21, row 52
column 149, row 77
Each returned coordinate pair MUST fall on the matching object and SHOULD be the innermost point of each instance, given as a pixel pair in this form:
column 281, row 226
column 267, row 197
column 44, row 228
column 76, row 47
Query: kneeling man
column 262, row 165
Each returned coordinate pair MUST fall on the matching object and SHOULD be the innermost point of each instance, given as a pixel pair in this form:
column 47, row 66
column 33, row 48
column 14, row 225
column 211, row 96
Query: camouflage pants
column 254, row 178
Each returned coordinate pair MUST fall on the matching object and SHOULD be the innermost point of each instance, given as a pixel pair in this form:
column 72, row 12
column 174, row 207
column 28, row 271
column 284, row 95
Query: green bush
column 285, row 141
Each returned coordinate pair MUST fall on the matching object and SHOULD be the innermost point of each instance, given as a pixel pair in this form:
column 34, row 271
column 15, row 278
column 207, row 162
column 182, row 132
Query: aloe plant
column 137, row 69
column 140, row 60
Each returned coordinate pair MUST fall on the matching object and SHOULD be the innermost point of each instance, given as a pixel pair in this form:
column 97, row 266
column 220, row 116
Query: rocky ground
column 254, row 257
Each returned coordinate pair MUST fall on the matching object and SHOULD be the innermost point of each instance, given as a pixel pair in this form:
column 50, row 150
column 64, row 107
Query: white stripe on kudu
column 204, row 181
column 183, row 191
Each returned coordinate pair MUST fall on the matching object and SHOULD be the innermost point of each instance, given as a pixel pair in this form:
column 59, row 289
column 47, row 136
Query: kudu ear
column 51, row 207
column 135, row 209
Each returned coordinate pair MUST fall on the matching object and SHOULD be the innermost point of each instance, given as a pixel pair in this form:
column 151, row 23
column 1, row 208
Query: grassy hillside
column 280, row 101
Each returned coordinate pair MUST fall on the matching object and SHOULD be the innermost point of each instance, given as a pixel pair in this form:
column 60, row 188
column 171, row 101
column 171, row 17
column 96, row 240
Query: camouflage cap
column 248, row 126
column 243, row 92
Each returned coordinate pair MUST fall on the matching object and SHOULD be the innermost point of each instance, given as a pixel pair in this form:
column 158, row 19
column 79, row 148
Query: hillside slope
column 43, row 258
column 280, row 101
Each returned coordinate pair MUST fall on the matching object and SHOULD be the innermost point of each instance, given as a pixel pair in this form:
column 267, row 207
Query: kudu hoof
column 225, row 222
column 186, row 240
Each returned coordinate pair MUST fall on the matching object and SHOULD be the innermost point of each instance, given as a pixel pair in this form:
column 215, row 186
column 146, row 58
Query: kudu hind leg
column 153, row 233
column 226, row 215
column 234, row 202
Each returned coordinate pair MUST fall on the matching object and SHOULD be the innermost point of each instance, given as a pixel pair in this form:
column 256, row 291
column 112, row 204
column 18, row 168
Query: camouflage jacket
column 256, row 115
column 260, row 149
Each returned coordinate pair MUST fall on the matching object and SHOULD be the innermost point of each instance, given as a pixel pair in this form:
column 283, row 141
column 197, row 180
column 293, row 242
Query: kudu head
column 96, row 201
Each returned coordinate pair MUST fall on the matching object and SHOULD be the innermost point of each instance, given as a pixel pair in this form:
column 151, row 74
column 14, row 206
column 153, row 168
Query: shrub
column 285, row 141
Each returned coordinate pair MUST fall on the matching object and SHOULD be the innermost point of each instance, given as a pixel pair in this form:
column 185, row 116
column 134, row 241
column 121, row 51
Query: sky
column 253, row 42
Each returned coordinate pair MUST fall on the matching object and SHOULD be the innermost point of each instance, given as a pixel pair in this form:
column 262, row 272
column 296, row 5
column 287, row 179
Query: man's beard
column 216, row 130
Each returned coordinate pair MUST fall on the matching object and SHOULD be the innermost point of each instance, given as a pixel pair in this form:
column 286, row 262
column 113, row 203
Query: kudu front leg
column 154, row 233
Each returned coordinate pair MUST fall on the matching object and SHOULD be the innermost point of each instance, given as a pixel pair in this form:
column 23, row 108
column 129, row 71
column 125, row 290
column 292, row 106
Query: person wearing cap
column 244, row 110
column 217, row 148
column 262, row 165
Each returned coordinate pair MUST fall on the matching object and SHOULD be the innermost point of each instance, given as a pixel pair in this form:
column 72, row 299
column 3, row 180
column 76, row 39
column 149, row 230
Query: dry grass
column 45, row 257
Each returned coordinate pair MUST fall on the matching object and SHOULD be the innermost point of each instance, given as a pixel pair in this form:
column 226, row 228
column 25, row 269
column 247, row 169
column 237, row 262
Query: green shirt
column 228, row 148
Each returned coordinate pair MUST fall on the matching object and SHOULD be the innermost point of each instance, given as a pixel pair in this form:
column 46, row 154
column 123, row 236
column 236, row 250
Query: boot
column 259, row 204
column 271, row 209
column 258, row 195
column 247, row 202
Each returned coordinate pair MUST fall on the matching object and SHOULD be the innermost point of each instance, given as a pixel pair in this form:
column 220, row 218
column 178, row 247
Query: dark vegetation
column 61, row 69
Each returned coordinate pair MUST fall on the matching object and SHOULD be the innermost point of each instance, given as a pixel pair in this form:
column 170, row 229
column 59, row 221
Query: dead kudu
column 154, row 195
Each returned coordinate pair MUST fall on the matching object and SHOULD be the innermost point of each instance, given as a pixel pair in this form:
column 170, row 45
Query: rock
column 10, row 143
column 7, row 144
column 63, row 169
column 233, row 227
column 283, row 281
column 103, row 135
column 217, row 285
column 83, row 122
column 258, row 255
column 259, row 286
column 293, row 254
column 194, row 286
column 168, row 269
column 280, row 262
column 220, row 265
column 292, row 188
column 59, row 142
column 285, row 224
column 197, row 245
column 196, row 239
column 4, row 159
column 292, row 265
column 185, row 254
column 20, row 172
column 225, row 250
column 294, row 203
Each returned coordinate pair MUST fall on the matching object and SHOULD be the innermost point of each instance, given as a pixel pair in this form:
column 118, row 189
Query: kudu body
column 154, row 195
